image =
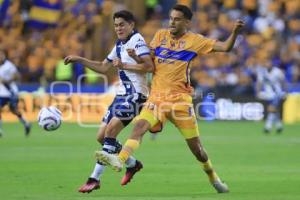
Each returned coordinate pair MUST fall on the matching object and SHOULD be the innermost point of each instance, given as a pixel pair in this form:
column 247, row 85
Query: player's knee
column 141, row 127
column 271, row 109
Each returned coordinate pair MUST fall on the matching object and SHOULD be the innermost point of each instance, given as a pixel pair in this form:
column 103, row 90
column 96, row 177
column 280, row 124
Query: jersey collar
column 128, row 38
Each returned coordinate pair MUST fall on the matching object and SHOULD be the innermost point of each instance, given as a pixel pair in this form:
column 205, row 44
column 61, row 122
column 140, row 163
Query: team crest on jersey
column 181, row 44
column 164, row 41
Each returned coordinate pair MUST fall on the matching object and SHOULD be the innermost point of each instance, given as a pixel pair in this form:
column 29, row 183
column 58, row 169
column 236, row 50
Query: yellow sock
column 128, row 149
column 208, row 168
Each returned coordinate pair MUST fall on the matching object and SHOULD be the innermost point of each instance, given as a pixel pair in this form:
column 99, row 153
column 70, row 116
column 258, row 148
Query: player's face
column 267, row 64
column 123, row 28
column 177, row 23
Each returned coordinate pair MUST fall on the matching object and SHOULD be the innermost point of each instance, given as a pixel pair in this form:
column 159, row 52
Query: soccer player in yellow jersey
column 174, row 50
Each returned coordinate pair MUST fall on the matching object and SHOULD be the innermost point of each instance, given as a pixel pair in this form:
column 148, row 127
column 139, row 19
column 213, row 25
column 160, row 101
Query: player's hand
column 118, row 63
column 131, row 53
column 238, row 26
column 71, row 59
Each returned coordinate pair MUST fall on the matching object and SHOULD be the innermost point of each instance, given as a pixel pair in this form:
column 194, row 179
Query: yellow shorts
column 178, row 110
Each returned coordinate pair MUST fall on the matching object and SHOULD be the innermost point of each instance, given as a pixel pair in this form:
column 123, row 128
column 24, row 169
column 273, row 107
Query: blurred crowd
column 85, row 28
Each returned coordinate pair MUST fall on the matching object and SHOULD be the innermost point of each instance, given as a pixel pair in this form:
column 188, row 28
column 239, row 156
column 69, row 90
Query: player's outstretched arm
column 97, row 66
column 227, row 45
column 145, row 65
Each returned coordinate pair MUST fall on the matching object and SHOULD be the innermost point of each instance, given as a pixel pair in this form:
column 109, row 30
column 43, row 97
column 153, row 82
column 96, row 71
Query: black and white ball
column 49, row 118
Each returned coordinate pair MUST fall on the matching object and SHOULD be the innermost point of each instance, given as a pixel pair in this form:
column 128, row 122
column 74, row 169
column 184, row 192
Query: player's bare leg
column 273, row 118
column 27, row 125
column 276, row 119
column 107, row 138
column 199, row 152
column 93, row 182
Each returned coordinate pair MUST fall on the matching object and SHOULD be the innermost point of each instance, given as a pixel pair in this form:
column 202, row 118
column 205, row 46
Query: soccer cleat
column 27, row 127
column 1, row 132
column 130, row 172
column 279, row 130
column 220, row 186
column 90, row 185
column 266, row 130
column 109, row 159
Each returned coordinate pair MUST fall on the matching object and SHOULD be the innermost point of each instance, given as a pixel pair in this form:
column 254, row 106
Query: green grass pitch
column 51, row 166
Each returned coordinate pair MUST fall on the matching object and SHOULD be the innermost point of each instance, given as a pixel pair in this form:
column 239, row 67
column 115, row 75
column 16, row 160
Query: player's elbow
column 222, row 47
column 225, row 48
column 228, row 49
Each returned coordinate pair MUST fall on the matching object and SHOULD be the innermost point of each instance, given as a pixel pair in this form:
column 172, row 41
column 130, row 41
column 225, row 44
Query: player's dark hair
column 187, row 13
column 124, row 14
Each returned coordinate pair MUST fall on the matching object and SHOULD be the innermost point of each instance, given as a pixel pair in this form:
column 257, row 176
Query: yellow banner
column 291, row 109
column 80, row 108
column 44, row 15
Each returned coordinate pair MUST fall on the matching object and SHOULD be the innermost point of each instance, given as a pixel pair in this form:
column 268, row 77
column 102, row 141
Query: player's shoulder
column 9, row 64
column 162, row 32
column 277, row 70
column 137, row 41
column 196, row 36
column 137, row 37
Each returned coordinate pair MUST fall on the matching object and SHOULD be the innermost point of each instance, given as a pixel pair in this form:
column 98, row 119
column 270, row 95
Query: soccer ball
column 49, row 118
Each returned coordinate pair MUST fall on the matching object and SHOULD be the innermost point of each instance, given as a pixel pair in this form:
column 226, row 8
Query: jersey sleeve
column 141, row 47
column 112, row 55
column 203, row 45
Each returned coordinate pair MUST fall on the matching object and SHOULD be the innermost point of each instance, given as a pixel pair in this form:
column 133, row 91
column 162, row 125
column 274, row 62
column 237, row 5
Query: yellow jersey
column 173, row 58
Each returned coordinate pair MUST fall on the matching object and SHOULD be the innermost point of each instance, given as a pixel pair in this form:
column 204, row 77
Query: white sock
column 269, row 121
column 130, row 162
column 153, row 136
column 98, row 170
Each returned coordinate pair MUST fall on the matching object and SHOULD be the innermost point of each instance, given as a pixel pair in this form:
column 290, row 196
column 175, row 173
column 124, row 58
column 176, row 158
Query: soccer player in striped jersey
column 9, row 90
column 170, row 98
column 271, row 87
column 131, row 94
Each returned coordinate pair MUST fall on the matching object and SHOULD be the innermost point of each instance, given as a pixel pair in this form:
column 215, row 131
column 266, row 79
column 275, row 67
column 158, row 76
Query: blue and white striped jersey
column 130, row 82
column 7, row 73
column 271, row 81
